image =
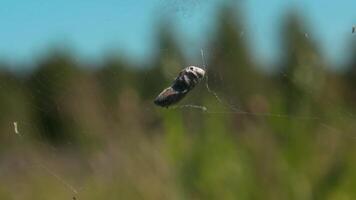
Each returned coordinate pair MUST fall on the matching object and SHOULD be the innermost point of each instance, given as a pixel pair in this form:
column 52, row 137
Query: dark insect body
column 187, row 79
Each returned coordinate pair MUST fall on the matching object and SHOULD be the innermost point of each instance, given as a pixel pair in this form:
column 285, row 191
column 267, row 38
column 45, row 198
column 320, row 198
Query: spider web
column 229, row 108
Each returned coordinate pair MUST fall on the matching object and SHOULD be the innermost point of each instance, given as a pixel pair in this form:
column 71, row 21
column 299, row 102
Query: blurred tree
column 169, row 57
column 230, row 59
column 167, row 62
column 50, row 83
column 350, row 75
column 113, row 77
column 302, row 75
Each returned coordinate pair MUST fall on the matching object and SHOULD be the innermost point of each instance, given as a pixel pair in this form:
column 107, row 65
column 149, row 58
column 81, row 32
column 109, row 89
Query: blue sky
column 92, row 27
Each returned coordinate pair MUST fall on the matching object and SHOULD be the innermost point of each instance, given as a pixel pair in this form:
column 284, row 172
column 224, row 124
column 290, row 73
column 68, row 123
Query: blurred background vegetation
column 94, row 133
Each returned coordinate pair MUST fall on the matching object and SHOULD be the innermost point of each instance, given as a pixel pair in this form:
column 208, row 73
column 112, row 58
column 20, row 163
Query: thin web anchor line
column 236, row 111
column 200, row 107
column 60, row 179
column 203, row 108
column 276, row 115
column 233, row 110
column 205, row 66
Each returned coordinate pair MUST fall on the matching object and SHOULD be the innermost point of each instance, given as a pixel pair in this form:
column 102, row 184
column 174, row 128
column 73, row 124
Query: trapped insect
column 187, row 79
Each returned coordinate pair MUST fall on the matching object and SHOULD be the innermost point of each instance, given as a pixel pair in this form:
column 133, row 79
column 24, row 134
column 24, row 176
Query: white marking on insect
column 16, row 128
